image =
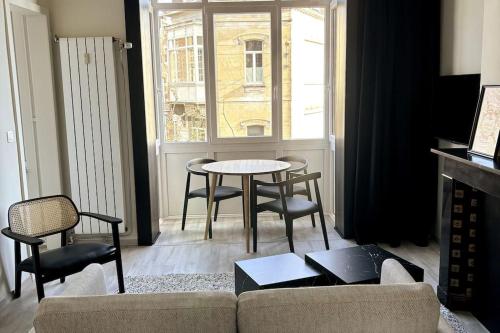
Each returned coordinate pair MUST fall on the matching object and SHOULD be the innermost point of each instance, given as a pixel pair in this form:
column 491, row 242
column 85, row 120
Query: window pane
column 191, row 64
column 180, row 42
column 249, row 75
column 181, row 65
column 303, row 87
column 201, row 65
column 249, row 61
column 254, row 45
column 239, row 105
column 255, row 130
column 184, row 112
column 258, row 60
column 258, row 75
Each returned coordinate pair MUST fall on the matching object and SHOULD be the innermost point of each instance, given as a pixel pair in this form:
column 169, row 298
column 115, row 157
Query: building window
column 253, row 62
column 255, row 130
column 185, row 55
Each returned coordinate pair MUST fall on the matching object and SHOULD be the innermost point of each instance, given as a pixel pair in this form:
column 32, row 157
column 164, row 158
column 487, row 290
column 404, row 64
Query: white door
column 31, row 60
column 35, row 93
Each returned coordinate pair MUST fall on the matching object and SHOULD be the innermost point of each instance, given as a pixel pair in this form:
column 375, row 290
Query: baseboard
column 328, row 216
column 331, row 216
column 105, row 238
column 204, row 216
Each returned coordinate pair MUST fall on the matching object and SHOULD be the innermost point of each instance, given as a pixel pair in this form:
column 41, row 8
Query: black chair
column 291, row 207
column 299, row 164
column 46, row 216
column 221, row 192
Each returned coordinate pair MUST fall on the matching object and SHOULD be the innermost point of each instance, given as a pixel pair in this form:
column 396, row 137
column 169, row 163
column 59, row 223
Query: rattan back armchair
column 31, row 219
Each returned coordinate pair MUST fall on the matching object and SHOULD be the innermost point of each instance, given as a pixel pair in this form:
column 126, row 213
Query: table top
column 246, row 167
column 358, row 264
column 277, row 269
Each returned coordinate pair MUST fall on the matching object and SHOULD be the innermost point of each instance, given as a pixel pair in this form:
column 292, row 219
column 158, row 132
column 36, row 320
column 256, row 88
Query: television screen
column 456, row 101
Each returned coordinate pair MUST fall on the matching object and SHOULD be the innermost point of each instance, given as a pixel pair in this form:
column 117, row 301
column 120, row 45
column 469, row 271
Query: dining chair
column 288, row 205
column 193, row 167
column 298, row 164
column 31, row 219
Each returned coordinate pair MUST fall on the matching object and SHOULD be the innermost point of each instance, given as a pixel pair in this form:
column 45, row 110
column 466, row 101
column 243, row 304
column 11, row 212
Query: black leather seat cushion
column 69, row 258
column 295, row 206
column 274, row 191
column 221, row 192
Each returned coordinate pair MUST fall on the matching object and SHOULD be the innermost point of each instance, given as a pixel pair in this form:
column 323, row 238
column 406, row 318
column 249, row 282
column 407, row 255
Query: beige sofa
column 397, row 305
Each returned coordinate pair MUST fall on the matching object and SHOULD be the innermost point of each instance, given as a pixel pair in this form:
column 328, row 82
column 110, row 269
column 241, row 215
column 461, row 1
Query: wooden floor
column 185, row 251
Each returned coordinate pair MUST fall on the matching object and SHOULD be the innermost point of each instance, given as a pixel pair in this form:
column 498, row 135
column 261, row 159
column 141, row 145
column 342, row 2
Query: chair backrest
column 43, row 216
column 194, row 165
column 298, row 163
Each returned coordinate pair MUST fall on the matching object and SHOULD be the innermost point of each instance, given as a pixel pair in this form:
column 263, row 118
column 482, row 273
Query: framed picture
column 497, row 151
column 485, row 133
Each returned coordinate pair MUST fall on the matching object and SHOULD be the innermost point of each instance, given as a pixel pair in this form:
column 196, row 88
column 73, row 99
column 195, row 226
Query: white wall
column 90, row 18
column 490, row 63
column 461, row 36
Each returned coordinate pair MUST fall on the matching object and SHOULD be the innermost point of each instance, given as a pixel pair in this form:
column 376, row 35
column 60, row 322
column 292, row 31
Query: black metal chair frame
column 188, row 193
column 35, row 242
column 285, row 191
column 288, row 172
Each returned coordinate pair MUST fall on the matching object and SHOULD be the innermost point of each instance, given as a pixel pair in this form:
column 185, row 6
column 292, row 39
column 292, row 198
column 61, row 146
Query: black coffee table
column 279, row 271
column 357, row 265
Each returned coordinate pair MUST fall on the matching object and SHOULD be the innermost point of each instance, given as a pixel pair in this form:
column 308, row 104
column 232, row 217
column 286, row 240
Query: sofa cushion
column 175, row 312
column 362, row 308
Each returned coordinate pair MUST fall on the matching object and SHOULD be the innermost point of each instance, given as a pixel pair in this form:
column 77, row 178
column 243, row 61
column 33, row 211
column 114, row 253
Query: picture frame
column 484, row 140
column 497, row 151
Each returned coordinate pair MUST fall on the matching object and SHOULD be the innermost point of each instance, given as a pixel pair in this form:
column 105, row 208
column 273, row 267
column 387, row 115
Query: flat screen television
column 456, row 102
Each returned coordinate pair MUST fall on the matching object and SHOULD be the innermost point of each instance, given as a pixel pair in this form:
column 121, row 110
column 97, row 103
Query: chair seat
column 69, row 258
column 296, row 207
column 274, row 191
column 221, row 192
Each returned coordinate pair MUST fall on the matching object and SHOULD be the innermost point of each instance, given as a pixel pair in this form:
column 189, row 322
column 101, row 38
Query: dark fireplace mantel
column 469, row 274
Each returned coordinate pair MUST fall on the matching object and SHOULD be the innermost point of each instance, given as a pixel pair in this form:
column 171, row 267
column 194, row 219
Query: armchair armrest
column 104, row 218
column 22, row 238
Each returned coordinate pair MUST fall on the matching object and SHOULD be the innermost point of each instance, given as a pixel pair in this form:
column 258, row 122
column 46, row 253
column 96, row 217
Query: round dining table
column 245, row 169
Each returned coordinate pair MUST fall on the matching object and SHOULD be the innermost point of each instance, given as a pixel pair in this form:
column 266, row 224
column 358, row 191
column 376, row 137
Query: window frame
column 274, row 7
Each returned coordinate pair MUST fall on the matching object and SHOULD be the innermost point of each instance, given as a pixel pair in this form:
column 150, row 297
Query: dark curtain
column 392, row 72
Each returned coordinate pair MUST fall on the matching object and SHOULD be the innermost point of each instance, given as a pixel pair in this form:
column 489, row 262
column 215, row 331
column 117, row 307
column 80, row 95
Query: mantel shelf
column 460, row 155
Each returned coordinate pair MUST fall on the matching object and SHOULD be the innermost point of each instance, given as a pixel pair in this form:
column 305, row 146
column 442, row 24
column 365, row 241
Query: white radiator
column 92, row 129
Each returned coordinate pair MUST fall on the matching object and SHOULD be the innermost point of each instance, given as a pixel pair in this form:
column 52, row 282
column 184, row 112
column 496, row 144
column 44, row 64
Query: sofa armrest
column 394, row 272
column 89, row 282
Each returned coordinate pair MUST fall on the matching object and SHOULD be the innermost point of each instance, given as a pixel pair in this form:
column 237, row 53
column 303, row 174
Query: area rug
column 217, row 282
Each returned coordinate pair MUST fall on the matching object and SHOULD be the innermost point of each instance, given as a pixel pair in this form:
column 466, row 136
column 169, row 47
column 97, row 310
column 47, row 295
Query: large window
column 182, row 76
column 244, row 70
column 303, row 72
column 243, row 79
